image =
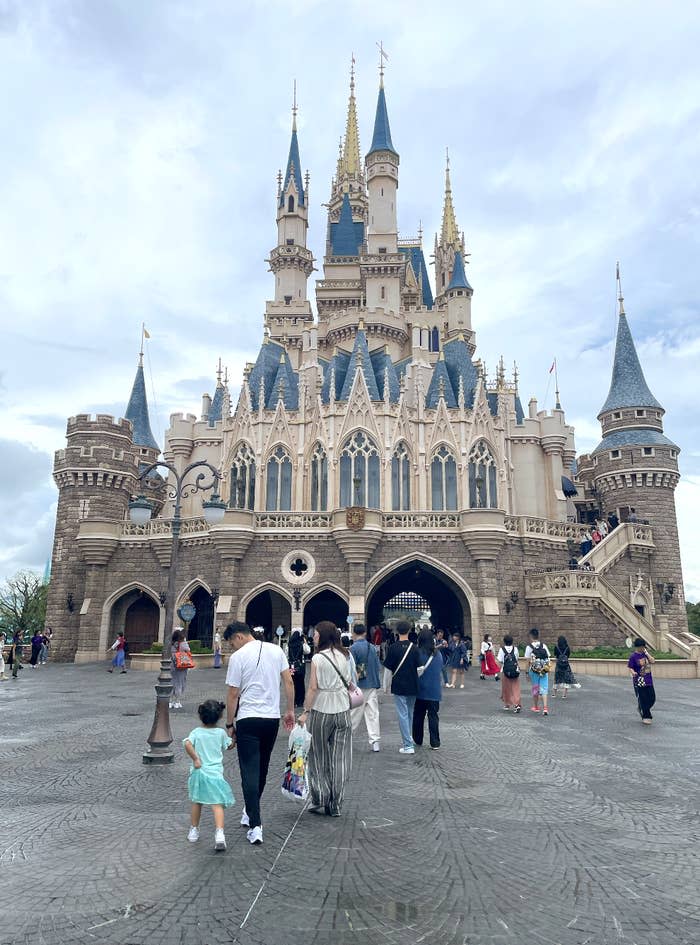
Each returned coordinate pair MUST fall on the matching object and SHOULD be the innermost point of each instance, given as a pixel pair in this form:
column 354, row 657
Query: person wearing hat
column 639, row 665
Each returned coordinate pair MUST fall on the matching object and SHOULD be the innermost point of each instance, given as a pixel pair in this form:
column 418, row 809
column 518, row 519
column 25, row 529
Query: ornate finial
column 449, row 233
column 441, row 387
column 283, row 360
column 225, row 376
column 501, row 374
column 294, row 108
column 447, row 169
column 620, row 297
column 218, row 374
column 420, row 232
column 352, row 73
column 279, row 182
column 516, row 375
column 382, row 56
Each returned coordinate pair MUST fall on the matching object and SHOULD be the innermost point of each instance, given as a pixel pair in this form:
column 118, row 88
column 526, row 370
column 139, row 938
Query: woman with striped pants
column 327, row 707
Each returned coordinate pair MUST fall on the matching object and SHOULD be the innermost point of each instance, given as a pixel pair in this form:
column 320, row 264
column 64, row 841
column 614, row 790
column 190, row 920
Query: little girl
column 206, row 785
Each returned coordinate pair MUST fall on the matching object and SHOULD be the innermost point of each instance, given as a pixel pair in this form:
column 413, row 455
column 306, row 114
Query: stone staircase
column 628, row 535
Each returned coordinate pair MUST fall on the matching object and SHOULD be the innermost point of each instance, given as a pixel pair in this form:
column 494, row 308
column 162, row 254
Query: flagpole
column 143, row 331
column 557, row 405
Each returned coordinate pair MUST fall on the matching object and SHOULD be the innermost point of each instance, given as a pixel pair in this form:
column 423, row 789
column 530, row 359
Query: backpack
column 539, row 661
column 511, row 670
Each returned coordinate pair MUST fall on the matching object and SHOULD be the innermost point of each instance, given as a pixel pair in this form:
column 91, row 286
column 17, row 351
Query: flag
column 146, row 334
column 554, row 364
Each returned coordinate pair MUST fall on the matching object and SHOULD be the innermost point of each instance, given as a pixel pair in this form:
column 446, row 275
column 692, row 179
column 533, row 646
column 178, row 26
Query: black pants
column 646, row 697
column 255, row 739
column 432, row 708
column 299, row 684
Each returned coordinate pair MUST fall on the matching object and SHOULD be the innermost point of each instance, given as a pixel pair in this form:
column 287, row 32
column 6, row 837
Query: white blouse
column 332, row 693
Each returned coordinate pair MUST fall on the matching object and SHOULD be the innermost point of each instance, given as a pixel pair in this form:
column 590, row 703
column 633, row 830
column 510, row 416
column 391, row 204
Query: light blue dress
column 207, row 785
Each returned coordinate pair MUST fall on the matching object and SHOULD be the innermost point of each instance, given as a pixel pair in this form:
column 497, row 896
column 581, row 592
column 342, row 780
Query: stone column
column 484, row 533
column 357, row 532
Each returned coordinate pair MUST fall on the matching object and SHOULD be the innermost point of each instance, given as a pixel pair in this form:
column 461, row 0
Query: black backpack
column 511, row 670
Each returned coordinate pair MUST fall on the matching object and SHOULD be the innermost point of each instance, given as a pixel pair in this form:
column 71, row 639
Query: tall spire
column 350, row 158
column 450, row 231
column 137, row 411
column 293, row 173
column 381, row 139
column 628, row 387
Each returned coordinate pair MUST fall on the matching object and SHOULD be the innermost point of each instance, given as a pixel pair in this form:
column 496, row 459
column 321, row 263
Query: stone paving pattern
column 579, row 828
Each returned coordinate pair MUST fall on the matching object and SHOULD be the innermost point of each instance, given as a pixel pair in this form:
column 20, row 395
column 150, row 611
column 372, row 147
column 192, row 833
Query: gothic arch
column 189, row 588
column 449, row 572
column 324, row 586
column 258, row 589
column 113, row 598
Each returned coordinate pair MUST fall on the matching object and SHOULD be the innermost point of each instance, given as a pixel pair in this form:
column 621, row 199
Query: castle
column 370, row 460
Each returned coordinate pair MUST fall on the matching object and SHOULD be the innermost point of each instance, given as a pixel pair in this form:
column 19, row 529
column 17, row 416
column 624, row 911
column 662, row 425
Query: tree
column 23, row 603
column 693, row 612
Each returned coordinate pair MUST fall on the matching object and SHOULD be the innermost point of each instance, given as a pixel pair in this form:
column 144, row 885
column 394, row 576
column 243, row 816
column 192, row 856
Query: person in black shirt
column 402, row 661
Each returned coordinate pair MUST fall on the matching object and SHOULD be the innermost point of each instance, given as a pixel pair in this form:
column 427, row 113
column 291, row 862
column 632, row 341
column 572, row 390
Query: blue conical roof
column 137, row 412
column 346, row 235
column 440, row 383
column 360, row 358
column 216, row 410
column 459, row 276
column 381, row 139
column 293, row 170
column 628, row 387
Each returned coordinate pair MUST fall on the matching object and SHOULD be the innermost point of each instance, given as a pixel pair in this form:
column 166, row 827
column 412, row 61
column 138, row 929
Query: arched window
column 290, row 204
column 434, row 340
column 483, row 492
column 319, row 479
column 400, row 479
column 359, row 472
column 279, row 481
column 242, row 483
column 443, row 480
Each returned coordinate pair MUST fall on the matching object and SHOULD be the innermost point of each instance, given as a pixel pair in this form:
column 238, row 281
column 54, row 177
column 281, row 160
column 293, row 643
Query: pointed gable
column 285, row 386
column 137, row 412
column 293, row 172
column 459, row 364
column 417, row 260
column 440, row 385
column 628, row 387
column 385, row 372
column 459, row 276
column 360, row 359
column 381, row 139
column 346, row 236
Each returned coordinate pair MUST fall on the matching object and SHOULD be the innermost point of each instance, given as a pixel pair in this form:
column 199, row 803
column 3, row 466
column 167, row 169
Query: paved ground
column 579, row 828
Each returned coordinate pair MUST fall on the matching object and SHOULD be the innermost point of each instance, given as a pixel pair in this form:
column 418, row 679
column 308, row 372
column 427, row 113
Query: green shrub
column 615, row 653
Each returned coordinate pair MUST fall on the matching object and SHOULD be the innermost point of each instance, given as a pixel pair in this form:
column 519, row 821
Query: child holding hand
column 206, row 784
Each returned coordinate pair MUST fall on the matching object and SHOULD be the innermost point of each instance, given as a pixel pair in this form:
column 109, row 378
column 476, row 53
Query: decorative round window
column 298, row 567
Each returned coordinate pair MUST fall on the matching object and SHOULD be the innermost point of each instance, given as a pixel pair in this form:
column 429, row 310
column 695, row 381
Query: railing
column 164, row 526
column 293, row 520
column 528, row 526
column 421, row 520
column 616, row 542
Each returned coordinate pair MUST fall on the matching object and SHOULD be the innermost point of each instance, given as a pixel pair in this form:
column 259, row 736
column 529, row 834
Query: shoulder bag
column 183, row 659
column 356, row 695
column 421, row 669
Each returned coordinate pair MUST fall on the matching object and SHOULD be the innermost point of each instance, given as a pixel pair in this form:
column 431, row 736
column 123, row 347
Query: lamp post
column 160, row 738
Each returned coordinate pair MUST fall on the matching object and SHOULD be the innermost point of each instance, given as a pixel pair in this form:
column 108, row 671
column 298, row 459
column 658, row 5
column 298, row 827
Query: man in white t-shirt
column 253, row 713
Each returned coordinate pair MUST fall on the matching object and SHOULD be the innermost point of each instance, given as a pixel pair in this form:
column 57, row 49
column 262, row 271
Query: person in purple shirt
column 639, row 665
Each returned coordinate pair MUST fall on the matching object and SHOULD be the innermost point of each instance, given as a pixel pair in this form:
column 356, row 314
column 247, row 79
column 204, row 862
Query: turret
column 449, row 242
column 382, row 167
column 145, row 445
column 459, row 300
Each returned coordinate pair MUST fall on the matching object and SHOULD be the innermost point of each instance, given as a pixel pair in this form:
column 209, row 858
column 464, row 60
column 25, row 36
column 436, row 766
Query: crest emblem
column 355, row 518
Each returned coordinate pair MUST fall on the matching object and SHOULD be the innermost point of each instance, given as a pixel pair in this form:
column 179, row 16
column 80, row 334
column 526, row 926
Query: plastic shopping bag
column 294, row 782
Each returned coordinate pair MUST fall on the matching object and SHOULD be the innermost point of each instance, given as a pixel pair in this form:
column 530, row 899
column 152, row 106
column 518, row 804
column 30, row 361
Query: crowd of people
column 600, row 529
column 12, row 646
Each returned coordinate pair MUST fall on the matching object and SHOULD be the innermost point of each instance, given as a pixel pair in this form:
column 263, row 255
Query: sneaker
column 435, row 748
column 461, row 685
column 407, row 751
column 375, row 746
column 245, row 822
column 193, row 835
column 646, row 721
column 534, row 708
column 219, row 840
column 171, row 705
column 123, row 672
column 255, row 836
column 517, row 709
column 545, row 712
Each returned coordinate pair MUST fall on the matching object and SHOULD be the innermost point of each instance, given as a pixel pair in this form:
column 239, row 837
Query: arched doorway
column 269, row 610
column 326, row 605
column 423, row 583
column 202, row 626
column 141, row 624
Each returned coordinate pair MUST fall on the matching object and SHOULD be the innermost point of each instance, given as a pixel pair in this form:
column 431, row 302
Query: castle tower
column 96, row 476
column 145, row 445
column 458, row 297
column 449, row 243
column 290, row 261
column 635, row 472
column 382, row 278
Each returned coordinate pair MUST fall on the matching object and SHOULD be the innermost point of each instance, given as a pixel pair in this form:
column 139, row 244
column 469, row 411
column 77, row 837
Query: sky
column 138, row 174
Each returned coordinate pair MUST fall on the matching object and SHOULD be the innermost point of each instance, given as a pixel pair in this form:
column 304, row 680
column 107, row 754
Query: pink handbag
column 357, row 696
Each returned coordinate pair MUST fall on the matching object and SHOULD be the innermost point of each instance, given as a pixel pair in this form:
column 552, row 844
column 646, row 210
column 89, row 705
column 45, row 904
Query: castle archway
column 419, row 579
column 134, row 609
column 269, row 609
column 327, row 604
column 141, row 624
column 202, row 626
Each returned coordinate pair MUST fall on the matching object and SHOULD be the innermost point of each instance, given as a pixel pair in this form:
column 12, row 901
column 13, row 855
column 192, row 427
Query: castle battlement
column 104, row 422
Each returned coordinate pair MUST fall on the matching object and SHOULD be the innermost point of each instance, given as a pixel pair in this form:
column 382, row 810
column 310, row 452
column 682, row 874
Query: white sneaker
column 461, row 685
column 193, row 835
column 375, row 746
column 407, row 751
column 255, row 836
column 219, row 840
column 245, row 822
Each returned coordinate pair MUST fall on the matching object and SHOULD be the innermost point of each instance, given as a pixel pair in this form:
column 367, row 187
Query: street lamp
column 140, row 509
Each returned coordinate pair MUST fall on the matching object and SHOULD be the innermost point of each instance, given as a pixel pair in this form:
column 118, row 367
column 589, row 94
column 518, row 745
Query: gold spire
column 450, row 233
column 620, row 297
column 350, row 160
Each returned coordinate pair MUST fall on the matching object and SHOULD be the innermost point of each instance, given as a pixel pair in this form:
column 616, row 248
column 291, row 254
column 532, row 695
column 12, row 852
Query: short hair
column 508, row 640
column 237, row 626
column 210, row 711
column 426, row 640
column 403, row 627
column 359, row 629
column 640, row 642
column 535, row 633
